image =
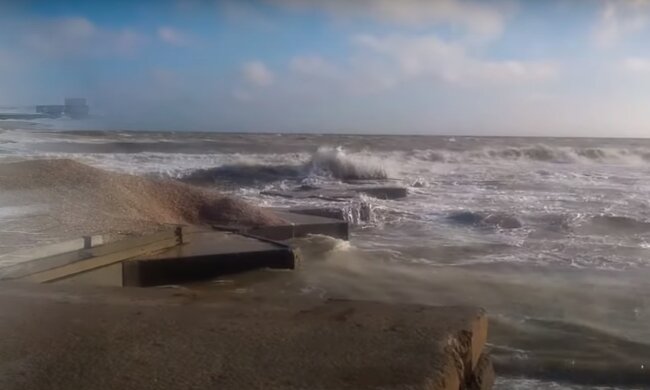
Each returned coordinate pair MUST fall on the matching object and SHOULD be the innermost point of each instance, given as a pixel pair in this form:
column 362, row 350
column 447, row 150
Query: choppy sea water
column 551, row 236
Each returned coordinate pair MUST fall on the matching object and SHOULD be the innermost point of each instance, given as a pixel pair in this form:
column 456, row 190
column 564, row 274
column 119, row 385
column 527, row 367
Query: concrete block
column 302, row 225
column 329, row 212
column 204, row 255
column 384, row 192
column 483, row 375
column 342, row 194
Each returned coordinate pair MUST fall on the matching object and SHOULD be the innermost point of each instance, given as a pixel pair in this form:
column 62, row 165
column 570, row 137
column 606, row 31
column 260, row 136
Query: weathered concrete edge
column 147, row 273
column 333, row 227
column 467, row 349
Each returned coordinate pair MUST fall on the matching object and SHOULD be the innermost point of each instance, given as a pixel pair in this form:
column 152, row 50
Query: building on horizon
column 75, row 108
column 52, row 110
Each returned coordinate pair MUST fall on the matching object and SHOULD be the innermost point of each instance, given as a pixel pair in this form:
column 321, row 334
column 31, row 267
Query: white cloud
column 312, row 66
column 188, row 5
column 636, row 64
column 79, row 37
column 8, row 61
column 242, row 95
column 475, row 16
column 619, row 19
column 173, row 36
column 409, row 57
column 257, row 73
column 165, row 77
column 60, row 36
column 246, row 14
column 385, row 63
column 125, row 42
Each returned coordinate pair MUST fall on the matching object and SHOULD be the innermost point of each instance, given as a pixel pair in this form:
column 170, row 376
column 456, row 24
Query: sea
column 550, row 235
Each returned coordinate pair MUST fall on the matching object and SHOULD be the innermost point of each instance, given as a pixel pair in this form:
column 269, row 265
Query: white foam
column 337, row 163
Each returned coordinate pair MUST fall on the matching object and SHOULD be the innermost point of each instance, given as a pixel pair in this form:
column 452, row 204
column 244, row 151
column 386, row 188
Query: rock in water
column 502, row 221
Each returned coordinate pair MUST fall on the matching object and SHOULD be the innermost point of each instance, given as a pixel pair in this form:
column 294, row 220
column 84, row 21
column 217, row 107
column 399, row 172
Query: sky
column 502, row 67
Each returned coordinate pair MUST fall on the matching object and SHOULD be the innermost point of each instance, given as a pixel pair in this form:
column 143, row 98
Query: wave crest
column 538, row 153
column 335, row 162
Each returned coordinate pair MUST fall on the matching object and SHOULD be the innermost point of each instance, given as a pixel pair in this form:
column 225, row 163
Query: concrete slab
column 205, row 254
column 153, row 338
column 301, row 225
column 325, row 212
column 168, row 257
column 342, row 194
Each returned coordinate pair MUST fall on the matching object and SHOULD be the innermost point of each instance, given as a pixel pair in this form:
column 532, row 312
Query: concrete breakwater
column 172, row 255
column 142, row 338
column 230, row 341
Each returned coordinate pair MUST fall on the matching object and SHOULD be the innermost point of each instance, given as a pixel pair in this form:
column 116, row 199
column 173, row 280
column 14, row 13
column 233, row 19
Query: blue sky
column 510, row 67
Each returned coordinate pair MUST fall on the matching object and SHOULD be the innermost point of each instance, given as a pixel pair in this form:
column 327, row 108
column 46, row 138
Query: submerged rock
column 503, row 221
column 342, row 193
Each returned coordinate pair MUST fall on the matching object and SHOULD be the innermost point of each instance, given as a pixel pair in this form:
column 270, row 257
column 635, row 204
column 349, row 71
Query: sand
column 65, row 198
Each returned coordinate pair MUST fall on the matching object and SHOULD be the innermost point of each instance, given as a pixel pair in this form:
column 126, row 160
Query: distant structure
column 75, row 108
column 51, row 110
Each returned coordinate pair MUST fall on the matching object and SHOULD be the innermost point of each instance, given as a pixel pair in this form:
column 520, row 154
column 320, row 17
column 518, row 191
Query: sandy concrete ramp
column 60, row 337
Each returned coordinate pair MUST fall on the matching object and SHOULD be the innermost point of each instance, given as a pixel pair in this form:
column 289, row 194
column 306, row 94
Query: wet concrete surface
column 71, row 337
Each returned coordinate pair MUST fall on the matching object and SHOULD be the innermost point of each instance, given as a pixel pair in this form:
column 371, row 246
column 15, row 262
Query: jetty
column 176, row 255
column 75, row 108
column 341, row 194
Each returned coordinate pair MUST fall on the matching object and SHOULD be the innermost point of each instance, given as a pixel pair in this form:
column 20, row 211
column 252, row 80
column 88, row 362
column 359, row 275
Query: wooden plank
column 109, row 276
column 30, row 254
column 99, row 261
column 133, row 242
column 23, row 269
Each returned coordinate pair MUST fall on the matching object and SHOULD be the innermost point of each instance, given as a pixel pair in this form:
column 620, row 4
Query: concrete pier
column 68, row 337
column 168, row 257
column 175, row 255
column 13, row 116
column 207, row 254
column 342, row 194
column 301, row 225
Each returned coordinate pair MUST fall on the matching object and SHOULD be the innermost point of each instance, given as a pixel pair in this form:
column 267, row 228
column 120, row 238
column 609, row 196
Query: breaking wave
column 613, row 225
column 244, row 174
column 337, row 163
column 538, row 153
column 327, row 162
column 582, row 224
